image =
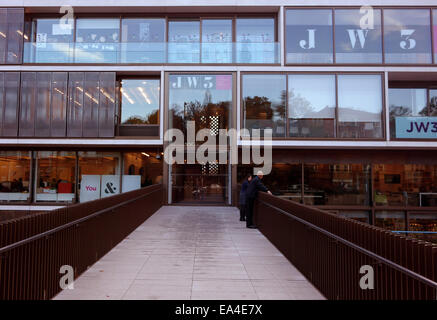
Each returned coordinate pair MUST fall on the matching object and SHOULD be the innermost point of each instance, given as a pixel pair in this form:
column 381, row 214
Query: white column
column 387, row 108
column 281, row 34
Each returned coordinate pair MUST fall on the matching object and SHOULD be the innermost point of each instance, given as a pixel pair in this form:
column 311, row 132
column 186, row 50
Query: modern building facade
column 349, row 94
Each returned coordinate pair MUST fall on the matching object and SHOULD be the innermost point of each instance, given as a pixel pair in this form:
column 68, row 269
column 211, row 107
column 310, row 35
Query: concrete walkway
column 193, row 253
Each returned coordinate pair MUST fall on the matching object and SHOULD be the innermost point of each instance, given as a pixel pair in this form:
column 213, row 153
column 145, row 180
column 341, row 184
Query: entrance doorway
column 207, row 100
column 197, row 183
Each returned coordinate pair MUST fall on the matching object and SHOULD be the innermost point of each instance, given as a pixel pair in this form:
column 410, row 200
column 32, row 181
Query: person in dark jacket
column 244, row 186
column 251, row 194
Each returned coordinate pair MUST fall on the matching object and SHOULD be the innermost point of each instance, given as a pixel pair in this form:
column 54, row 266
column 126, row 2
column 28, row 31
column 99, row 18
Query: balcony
column 152, row 53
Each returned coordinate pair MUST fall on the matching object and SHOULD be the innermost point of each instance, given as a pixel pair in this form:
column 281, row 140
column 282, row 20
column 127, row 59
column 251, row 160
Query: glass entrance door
column 206, row 101
column 197, row 183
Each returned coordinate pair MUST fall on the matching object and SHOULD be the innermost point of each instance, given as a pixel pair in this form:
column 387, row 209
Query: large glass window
column 140, row 101
column 310, row 114
column 434, row 25
column 405, row 184
column 336, row 184
column 205, row 99
column 407, row 36
column 309, row 36
column 97, row 40
column 406, row 106
column 354, row 44
column 14, row 175
column 360, row 106
column 256, row 40
column 55, row 179
column 264, row 103
column 141, row 169
column 390, row 220
column 184, row 41
column 143, row 41
column 99, row 175
column 424, row 225
column 433, row 103
column 54, row 40
column 217, row 41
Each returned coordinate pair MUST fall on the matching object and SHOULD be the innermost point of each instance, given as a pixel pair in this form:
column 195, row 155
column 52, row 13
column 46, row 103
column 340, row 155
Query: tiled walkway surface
column 193, row 253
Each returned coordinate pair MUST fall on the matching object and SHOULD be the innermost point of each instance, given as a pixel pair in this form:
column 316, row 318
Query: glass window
column 216, row 41
column 405, row 184
column 362, row 216
column 143, row 41
column 360, row 106
column 140, row 101
column 424, row 224
column 184, row 41
column 256, row 40
column 354, row 44
column 336, row 184
column 14, row 175
column 284, row 181
column 54, row 40
column 99, row 175
column 97, row 40
column 55, row 176
column 407, row 36
column 390, row 220
column 309, row 36
column 205, row 99
column 433, row 103
column 142, row 169
column 264, row 103
column 404, row 104
column 311, row 115
column 434, row 24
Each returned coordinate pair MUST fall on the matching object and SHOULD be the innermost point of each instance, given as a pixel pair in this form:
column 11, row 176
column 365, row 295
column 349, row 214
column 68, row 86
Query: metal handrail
column 69, row 224
column 371, row 254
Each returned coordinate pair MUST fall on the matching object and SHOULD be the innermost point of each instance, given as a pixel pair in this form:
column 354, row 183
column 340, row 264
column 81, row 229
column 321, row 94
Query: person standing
column 251, row 194
column 243, row 190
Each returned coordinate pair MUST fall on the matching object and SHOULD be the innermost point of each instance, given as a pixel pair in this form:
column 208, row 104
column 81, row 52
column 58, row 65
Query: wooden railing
column 34, row 248
column 331, row 251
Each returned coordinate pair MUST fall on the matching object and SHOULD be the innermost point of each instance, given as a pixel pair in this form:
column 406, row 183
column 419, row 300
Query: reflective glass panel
column 356, row 39
column 405, row 103
column 14, row 175
column 336, row 184
column 256, row 40
column 55, row 180
column 310, row 114
column 142, row 169
column 407, row 36
column 390, row 220
column 205, row 99
column 140, row 101
column 216, row 41
column 54, row 40
column 97, row 40
column 360, row 106
column 143, row 41
column 99, row 175
column 309, row 36
column 405, row 185
column 264, row 103
column 184, row 42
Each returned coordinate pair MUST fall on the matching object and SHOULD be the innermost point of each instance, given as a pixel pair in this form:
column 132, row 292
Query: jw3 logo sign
column 219, row 147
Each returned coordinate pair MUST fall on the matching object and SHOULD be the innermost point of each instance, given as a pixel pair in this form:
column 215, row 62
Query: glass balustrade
column 152, row 53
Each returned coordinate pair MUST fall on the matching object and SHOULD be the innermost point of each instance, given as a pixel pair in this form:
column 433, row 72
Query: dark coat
column 243, row 192
column 253, row 188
